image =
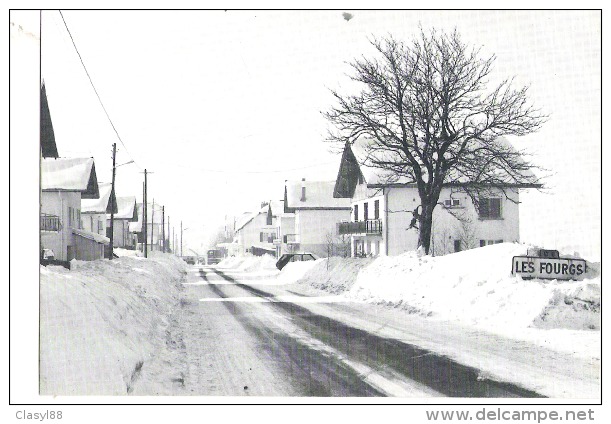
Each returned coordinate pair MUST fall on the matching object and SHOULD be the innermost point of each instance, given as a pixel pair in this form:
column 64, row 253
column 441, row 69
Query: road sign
column 548, row 268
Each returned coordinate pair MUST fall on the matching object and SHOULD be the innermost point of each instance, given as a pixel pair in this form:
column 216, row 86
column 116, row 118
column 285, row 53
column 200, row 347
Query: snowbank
column 103, row 320
column 249, row 263
column 334, row 275
column 475, row 287
column 294, row 271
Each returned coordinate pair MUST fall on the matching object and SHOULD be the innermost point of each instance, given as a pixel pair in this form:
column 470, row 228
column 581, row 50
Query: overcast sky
column 223, row 107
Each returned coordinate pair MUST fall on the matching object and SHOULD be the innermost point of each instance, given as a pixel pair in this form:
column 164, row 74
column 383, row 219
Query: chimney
column 303, row 193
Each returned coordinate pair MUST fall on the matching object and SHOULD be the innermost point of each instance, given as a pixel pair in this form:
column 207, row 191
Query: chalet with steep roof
column 127, row 212
column 382, row 209
column 64, row 182
column 315, row 215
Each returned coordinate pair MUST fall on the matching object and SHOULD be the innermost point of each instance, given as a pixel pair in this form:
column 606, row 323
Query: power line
column 238, row 171
column 95, row 90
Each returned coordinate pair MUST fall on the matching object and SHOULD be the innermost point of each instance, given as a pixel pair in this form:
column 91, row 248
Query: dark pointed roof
column 47, row 136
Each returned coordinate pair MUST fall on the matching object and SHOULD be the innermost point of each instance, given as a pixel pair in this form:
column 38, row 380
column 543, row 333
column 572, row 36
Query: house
column 154, row 228
column 48, row 148
column 316, row 214
column 93, row 211
column 127, row 212
column 382, row 211
column 255, row 232
column 64, row 182
column 135, row 227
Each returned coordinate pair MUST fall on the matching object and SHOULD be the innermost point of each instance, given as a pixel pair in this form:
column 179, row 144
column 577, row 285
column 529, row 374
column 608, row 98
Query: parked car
column 189, row 259
column 294, row 257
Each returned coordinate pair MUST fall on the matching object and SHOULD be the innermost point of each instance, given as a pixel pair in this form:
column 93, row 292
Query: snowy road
column 244, row 338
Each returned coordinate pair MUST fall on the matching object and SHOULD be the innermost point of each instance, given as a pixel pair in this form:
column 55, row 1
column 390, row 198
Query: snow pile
column 102, row 321
column 231, row 262
column 256, row 266
column 294, row 271
column 475, row 287
column 334, row 275
column 258, row 263
column 125, row 252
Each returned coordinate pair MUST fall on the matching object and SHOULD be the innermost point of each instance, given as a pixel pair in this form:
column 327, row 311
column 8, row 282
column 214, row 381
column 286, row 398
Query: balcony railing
column 371, row 226
column 49, row 223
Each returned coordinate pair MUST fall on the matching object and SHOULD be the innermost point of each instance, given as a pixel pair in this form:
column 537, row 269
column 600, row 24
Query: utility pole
column 181, row 238
column 145, row 220
column 170, row 246
column 163, row 228
column 112, row 197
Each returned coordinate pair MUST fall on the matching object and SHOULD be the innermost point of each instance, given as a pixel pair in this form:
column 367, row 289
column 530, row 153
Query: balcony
column 291, row 239
column 49, row 223
column 371, row 226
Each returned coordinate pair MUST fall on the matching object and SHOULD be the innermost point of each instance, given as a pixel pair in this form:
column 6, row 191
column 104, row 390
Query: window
column 376, row 209
column 78, row 218
column 356, row 213
column 70, row 217
column 490, row 208
column 100, row 227
column 451, row 203
column 261, row 236
column 366, row 211
column 457, row 247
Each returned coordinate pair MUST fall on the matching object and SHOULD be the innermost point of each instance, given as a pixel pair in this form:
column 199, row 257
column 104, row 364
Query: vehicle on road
column 214, row 256
column 294, row 257
column 189, row 259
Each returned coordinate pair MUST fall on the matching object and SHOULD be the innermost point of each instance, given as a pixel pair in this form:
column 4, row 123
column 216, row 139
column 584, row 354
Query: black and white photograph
column 308, row 206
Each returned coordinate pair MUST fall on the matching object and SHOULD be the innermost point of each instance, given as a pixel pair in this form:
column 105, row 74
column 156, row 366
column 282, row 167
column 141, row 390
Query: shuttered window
column 490, row 207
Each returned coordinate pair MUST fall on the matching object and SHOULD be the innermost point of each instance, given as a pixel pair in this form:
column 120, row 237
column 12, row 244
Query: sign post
column 547, row 264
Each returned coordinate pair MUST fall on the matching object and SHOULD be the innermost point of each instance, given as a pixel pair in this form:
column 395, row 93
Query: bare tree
column 430, row 119
column 466, row 233
column 330, row 246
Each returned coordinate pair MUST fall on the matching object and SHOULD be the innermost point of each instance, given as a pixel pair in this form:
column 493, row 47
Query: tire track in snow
column 438, row 373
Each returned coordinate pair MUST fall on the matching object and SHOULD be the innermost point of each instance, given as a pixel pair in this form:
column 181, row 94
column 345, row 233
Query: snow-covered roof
column 276, row 205
column 91, row 236
column 126, row 208
column 152, row 214
column 69, row 174
column 244, row 219
column 102, row 204
column 374, row 176
column 136, row 227
column 318, row 195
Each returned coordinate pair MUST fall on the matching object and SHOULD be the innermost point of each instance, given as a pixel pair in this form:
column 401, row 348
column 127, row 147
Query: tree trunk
column 425, row 224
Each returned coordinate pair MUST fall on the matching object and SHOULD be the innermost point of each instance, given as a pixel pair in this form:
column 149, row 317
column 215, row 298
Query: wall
column 88, row 250
column 401, row 202
column 285, row 224
column 57, row 203
column 249, row 235
column 121, row 235
column 470, row 231
column 447, row 228
column 86, row 219
column 313, row 226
